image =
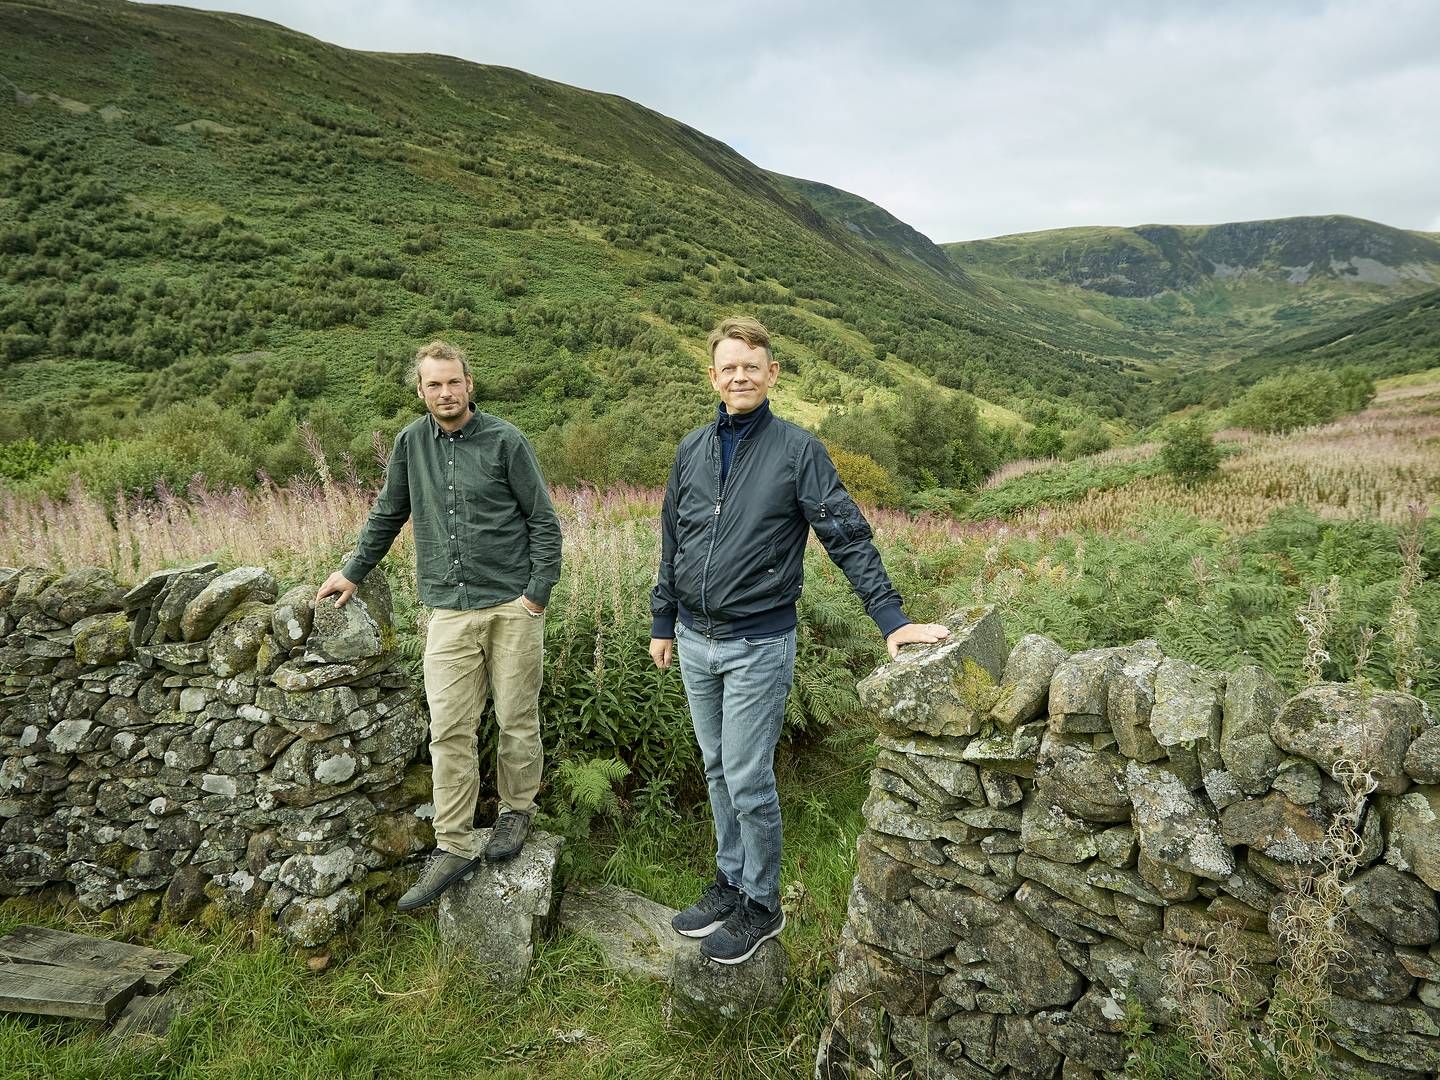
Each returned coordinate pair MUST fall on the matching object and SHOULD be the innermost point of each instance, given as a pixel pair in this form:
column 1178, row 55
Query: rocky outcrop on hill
column 195, row 742
column 1039, row 850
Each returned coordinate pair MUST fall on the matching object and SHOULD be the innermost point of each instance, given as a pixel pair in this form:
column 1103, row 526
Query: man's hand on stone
column 661, row 650
column 338, row 584
column 909, row 634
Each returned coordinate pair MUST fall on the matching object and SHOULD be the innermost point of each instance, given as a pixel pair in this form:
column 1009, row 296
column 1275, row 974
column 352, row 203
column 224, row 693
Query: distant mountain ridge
column 1146, row 260
column 873, row 225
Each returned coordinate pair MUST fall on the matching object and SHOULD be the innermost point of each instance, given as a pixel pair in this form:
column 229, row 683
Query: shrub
column 1189, row 452
column 1297, row 399
column 865, row 479
column 1089, row 438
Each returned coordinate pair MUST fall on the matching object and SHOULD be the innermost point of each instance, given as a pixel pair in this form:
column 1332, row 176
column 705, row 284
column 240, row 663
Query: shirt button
column 452, row 511
column 452, row 487
column 457, row 562
column 452, row 536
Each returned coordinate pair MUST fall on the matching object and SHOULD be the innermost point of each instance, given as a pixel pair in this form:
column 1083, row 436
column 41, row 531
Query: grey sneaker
column 709, row 913
column 748, row 927
column 508, row 836
column 439, row 874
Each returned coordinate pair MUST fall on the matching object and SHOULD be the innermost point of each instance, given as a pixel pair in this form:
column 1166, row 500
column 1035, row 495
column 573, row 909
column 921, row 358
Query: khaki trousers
column 467, row 654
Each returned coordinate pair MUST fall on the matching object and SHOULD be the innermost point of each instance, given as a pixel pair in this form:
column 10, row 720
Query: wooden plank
column 149, row 1015
column 41, row 945
column 47, row 990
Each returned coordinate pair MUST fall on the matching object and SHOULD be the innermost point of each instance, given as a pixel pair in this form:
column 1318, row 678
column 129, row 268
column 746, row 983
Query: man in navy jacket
column 742, row 497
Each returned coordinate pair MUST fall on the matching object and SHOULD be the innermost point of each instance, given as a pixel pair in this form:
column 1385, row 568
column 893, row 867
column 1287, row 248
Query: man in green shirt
column 487, row 553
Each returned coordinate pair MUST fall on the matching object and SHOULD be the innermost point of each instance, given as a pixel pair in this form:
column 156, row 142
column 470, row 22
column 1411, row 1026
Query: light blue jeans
column 737, row 690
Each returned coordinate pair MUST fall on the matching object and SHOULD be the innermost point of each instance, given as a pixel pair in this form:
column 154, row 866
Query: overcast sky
column 970, row 119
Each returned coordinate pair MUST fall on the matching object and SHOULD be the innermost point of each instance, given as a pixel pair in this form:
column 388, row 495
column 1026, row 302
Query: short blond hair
column 438, row 350
column 746, row 329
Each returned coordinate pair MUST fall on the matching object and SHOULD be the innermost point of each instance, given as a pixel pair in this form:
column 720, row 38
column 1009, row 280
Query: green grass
column 1057, row 486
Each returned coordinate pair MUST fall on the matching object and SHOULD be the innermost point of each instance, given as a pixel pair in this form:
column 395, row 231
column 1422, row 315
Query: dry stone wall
column 198, row 740
column 1046, row 830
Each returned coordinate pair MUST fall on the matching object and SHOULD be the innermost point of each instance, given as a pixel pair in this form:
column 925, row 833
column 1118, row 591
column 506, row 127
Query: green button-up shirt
column 485, row 530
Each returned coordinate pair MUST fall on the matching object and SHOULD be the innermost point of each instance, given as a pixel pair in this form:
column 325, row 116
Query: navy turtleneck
column 733, row 429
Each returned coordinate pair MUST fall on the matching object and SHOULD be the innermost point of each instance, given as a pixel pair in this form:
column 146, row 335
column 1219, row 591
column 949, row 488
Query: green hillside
column 1207, row 295
column 209, row 212
column 1396, row 339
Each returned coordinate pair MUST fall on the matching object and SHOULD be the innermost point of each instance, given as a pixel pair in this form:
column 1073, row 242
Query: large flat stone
column 1336, row 722
column 942, row 689
column 632, row 931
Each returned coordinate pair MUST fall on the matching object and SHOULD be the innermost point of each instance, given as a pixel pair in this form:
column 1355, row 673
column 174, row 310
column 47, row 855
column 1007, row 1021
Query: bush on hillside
column 1189, row 452
column 1302, row 399
column 1089, row 438
column 865, row 479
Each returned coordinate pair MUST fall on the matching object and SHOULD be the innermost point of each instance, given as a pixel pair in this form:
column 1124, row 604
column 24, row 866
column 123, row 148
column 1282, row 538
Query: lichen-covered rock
column 1298, row 780
column 1089, row 1035
column 1025, row 687
column 235, row 642
column 1367, row 968
column 1020, row 960
column 1013, row 752
column 1373, row 728
column 1187, row 704
column 222, row 595
column 1079, row 690
column 1399, row 906
column 932, row 689
column 886, row 813
column 25, row 589
column 1085, row 782
column 318, row 875
column 149, row 590
column 1422, row 760
column 303, row 675
column 80, row 594
column 1412, row 834
column 1129, row 701
column 293, row 617
column 1048, row 832
column 339, row 634
column 728, row 992
column 1176, row 828
column 1402, row 1037
column 1253, row 700
column 1277, row 827
column 170, row 605
column 101, row 640
column 495, row 917
column 313, row 920
column 898, row 926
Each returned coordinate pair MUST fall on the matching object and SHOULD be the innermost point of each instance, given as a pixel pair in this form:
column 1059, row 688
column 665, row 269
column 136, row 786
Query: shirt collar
column 468, row 431
column 743, row 423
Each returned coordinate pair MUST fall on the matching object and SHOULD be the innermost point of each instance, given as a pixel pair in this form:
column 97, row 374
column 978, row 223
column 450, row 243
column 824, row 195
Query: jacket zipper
column 715, row 524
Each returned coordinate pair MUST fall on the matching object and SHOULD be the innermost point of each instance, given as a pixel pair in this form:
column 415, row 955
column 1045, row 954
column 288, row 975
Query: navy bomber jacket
column 732, row 553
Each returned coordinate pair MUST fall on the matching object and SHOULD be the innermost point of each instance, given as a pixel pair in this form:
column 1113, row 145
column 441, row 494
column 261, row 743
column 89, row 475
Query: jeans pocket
column 761, row 642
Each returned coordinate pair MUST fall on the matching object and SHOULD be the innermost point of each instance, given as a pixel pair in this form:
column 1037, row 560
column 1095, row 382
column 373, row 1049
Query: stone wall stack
column 201, row 740
column 1045, row 830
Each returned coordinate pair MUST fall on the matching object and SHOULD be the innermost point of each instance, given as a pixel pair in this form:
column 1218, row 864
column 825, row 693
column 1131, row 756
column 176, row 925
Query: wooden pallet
column 55, row 973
